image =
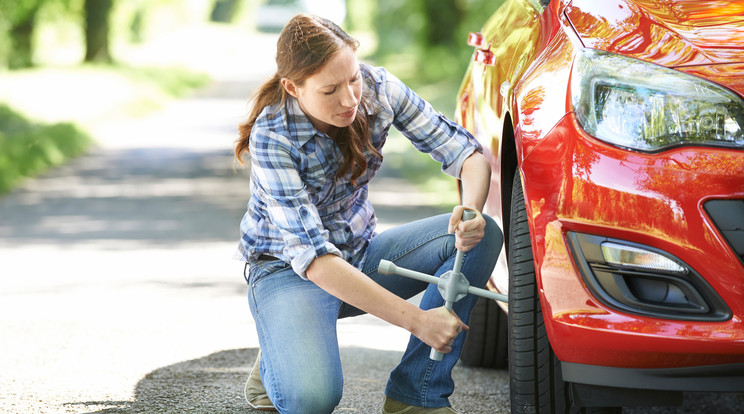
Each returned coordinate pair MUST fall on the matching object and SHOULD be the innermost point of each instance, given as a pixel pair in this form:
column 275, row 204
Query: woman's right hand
column 438, row 328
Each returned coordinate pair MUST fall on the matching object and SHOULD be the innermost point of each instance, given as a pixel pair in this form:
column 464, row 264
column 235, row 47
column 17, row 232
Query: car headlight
column 638, row 105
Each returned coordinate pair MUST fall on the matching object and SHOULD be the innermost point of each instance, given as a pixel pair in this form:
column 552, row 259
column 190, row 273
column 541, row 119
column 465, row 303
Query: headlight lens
column 639, row 105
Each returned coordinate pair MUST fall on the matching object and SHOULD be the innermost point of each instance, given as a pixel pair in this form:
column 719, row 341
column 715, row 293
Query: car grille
column 728, row 215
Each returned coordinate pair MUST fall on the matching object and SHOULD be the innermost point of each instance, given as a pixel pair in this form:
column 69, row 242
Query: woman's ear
column 290, row 87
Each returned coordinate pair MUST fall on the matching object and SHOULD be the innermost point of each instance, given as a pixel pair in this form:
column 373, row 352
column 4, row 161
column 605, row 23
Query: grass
column 28, row 148
column 44, row 112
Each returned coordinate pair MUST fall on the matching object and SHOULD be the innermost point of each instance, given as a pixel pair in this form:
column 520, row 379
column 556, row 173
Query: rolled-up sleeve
column 275, row 163
column 429, row 131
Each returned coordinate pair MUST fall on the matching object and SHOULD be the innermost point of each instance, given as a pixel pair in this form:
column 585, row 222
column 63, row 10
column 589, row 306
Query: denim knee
column 493, row 232
column 322, row 398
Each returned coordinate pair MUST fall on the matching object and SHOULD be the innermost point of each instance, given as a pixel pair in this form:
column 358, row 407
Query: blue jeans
column 296, row 320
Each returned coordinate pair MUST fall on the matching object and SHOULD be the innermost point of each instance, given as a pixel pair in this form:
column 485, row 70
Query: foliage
column 225, row 11
column 424, row 43
column 28, row 148
column 174, row 81
column 18, row 17
column 426, row 39
column 21, row 22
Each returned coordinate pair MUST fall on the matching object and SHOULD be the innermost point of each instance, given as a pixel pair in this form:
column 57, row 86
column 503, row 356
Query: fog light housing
column 629, row 256
column 643, row 280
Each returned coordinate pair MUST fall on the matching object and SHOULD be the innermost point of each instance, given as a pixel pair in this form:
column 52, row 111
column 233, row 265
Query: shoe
column 391, row 406
column 255, row 393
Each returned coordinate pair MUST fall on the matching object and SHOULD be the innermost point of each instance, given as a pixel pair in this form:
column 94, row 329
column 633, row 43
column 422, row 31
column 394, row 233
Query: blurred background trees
column 412, row 35
column 424, row 42
column 47, row 46
column 18, row 21
column 97, row 14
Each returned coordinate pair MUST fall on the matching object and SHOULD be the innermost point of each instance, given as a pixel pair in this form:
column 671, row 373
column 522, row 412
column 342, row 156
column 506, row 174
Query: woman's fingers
column 467, row 233
column 442, row 330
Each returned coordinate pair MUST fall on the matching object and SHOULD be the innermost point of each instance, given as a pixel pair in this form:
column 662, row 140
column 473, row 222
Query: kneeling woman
column 314, row 137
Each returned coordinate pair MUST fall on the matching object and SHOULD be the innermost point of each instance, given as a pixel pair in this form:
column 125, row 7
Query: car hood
column 673, row 33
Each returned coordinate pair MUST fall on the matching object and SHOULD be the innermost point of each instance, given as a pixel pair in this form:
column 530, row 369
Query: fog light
column 644, row 280
column 619, row 254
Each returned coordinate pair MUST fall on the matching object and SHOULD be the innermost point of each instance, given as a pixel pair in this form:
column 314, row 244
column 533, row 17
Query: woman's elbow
column 317, row 268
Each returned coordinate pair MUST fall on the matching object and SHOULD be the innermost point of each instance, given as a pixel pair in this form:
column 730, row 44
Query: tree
column 97, row 14
column 442, row 18
column 224, row 11
column 20, row 17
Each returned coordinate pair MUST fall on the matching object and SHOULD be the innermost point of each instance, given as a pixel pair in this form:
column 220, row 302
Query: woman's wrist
column 415, row 321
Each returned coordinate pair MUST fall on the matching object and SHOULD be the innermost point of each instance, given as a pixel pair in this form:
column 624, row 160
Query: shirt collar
column 304, row 130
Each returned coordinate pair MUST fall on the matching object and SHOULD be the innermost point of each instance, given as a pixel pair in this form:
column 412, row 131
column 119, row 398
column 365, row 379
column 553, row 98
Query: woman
column 314, row 137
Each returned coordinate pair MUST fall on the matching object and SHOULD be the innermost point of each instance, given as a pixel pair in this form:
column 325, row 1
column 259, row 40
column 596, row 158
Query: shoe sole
column 261, row 407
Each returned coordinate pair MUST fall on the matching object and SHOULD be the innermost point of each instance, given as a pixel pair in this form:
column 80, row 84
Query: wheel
column 535, row 380
column 486, row 344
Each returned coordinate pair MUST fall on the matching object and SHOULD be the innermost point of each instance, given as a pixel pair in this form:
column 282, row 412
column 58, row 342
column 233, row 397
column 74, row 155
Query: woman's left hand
column 467, row 233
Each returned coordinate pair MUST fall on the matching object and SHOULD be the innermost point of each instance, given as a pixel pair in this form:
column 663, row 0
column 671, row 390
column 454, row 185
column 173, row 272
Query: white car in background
column 272, row 15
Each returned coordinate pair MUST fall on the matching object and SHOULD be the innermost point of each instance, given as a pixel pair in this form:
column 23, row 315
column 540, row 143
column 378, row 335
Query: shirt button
column 347, row 229
column 303, row 212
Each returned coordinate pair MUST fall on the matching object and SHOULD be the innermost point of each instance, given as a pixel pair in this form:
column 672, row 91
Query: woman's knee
column 493, row 232
column 320, row 397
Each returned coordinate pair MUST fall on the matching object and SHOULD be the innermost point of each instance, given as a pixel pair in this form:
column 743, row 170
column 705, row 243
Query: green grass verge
column 173, row 81
column 28, row 148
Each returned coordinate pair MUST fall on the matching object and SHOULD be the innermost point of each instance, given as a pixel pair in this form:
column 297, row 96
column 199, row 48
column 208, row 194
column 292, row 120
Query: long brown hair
column 305, row 44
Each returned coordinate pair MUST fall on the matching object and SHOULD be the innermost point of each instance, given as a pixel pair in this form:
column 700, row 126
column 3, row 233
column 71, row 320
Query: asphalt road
column 119, row 294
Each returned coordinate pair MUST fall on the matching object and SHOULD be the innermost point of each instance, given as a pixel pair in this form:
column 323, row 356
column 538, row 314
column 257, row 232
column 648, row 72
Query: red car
column 615, row 131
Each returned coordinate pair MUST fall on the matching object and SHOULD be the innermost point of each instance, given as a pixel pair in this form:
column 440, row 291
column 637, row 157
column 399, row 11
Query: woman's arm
column 435, row 327
column 475, row 181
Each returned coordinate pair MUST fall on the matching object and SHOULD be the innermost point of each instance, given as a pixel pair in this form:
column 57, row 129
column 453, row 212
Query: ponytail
column 269, row 93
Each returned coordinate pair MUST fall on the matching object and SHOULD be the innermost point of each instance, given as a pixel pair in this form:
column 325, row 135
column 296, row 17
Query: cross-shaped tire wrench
column 452, row 285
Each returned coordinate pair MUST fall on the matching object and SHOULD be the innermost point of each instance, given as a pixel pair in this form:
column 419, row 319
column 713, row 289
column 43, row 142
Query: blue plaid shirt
column 298, row 209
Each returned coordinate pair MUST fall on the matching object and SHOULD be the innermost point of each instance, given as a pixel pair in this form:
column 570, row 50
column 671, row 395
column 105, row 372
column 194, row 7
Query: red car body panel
column 670, row 33
column 575, row 182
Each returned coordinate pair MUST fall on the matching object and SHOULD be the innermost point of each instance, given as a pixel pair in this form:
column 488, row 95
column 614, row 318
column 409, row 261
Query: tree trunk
column 442, row 19
column 224, row 11
column 97, row 30
column 21, row 37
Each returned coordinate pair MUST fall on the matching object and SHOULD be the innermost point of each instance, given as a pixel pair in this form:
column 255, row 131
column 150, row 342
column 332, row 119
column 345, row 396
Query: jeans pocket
column 261, row 269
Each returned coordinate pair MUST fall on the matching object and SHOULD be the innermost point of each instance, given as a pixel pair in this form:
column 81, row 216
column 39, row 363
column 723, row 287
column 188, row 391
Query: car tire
column 535, row 379
column 487, row 341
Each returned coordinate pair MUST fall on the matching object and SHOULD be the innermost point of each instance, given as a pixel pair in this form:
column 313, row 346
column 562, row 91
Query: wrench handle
column 435, row 355
column 466, row 215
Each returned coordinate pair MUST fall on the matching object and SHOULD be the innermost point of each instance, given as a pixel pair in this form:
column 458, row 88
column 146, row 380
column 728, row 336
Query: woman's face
column 330, row 97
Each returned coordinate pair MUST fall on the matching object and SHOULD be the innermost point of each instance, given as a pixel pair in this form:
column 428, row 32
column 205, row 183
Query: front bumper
column 575, row 183
column 710, row 378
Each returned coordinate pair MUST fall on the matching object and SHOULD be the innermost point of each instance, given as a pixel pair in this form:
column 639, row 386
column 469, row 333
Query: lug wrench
column 452, row 285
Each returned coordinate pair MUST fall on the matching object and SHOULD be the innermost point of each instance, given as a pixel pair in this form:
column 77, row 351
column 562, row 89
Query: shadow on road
column 156, row 196
column 214, row 384
column 152, row 196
